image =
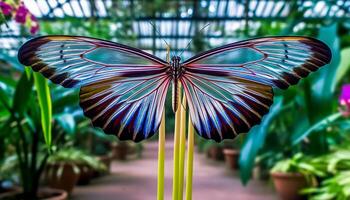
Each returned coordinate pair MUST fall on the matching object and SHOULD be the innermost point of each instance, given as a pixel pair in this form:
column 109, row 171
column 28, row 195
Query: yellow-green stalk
column 176, row 149
column 182, row 147
column 161, row 159
column 161, row 149
column 190, row 147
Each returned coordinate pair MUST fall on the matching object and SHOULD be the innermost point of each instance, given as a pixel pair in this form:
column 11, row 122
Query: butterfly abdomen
column 175, row 71
column 175, row 94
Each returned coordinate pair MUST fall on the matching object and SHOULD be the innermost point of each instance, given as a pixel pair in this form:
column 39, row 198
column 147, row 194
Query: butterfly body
column 123, row 89
column 176, row 70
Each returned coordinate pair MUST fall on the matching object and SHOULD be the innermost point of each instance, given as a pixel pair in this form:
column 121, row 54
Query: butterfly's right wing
column 123, row 89
column 229, row 88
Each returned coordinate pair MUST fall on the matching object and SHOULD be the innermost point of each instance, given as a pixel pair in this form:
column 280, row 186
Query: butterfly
column 123, row 89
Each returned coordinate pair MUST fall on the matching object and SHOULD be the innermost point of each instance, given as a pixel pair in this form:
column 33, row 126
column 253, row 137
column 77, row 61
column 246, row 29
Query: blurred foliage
column 336, row 183
column 308, row 111
column 22, row 126
column 333, row 188
column 299, row 164
column 76, row 157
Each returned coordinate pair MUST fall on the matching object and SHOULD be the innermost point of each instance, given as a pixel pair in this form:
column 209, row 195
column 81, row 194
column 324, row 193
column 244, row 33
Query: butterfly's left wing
column 229, row 89
column 122, row 89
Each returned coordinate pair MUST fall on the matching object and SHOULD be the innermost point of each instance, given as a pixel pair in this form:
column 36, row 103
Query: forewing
column 229, row 88
column 123, row 89
column 276, row 61
column 75, row 61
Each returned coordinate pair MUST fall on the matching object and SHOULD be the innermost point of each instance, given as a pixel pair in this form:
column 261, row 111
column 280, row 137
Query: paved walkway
column 137, row 180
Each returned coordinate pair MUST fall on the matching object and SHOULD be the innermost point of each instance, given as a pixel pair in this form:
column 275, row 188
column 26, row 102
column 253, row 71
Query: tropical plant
column 336, row 184
column 333, row 188
column 305, row 118
column 26, row 119
column 76, row 157
column 301, row 164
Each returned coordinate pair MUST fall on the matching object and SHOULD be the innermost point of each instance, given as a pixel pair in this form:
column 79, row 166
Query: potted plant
column 214, row 151
column 120, row 150
column 263, row 164
column 292, row 175
column 103, row 154
column 99, row 145
column 231, row 152
column 22, row 130
column 70, row 166
column 335, row 185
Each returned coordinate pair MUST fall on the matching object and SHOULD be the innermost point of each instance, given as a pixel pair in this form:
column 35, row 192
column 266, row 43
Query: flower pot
column 52, row 194
column 85, row 174
column 43, row 194
column 288, row 185
column 120, row 151
column 61, row 176
column 215, row 152
column 232, row 158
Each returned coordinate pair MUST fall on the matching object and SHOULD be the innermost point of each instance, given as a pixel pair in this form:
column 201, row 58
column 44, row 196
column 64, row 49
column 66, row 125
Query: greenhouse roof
column 186, row 10
column 179, row 21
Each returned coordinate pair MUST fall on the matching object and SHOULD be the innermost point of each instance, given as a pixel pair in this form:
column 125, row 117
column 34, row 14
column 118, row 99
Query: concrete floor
column 137, row 180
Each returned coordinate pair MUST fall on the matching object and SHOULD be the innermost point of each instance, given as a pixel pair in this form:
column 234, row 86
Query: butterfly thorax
column 176, row 71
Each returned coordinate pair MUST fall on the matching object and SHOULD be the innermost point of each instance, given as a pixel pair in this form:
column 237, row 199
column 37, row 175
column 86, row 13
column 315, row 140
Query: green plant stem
column 161, row 159
column 190, row 148
column 35, row 141
column 21, row 165
column 23, row 151
column 24, row 140
column 182, row 146
column 176, row 151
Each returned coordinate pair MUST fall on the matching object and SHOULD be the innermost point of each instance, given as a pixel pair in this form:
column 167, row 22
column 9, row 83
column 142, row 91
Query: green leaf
column 296, row 138
column 4, row 99
column 255, row 140
column 344, row 65
column 67, row 122
column 43, row 91
column 22, row 94
column 323, row 81
column 64, row 98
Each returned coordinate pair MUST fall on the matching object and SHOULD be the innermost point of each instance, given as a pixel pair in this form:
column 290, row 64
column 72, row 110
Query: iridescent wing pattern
column 122, row 89
column 229, row 89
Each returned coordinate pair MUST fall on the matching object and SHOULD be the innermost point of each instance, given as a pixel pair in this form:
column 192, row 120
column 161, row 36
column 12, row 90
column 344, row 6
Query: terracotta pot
column 66, row 180
column 215, row 152
column 43, row 194
column 232, row 158
column 288, row 185
column 120, row 151
column 85, row 174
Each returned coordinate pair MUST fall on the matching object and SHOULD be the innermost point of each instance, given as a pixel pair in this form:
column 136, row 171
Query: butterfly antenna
column 188, row 44
column 158, row 32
